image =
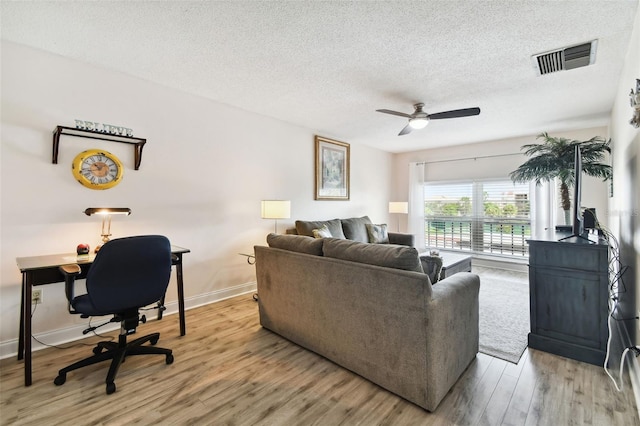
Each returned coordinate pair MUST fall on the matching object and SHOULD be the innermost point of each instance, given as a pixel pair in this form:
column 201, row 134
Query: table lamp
column 399, row 207
column 106, row 213
column 276, row 209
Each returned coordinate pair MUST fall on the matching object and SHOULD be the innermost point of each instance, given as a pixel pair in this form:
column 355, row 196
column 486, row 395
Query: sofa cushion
column 355, row 229
column 377, row 233
column 322, row 232
column 301, row 244
column 307, row 227
column 386, row 255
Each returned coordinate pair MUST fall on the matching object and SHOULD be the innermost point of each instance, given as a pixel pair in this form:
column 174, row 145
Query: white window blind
column 490, row 217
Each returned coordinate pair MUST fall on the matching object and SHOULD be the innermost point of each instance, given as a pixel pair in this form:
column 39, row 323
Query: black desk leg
column 183, row 325
column 21, row 334
column 25, row 328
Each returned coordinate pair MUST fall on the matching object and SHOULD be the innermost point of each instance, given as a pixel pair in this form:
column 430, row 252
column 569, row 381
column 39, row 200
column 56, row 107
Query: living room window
column 489, row 217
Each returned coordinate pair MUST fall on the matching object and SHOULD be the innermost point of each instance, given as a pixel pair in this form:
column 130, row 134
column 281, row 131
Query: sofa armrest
column 402, row 239
column 452, row 330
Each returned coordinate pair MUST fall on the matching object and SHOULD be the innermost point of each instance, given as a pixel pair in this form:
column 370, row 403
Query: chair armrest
column 452, row 330
column 70, row 270
column 453, row 308
column 402, row 239
column 70, row 273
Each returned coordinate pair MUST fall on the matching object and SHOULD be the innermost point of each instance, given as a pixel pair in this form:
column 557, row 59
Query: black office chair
column 126, row 275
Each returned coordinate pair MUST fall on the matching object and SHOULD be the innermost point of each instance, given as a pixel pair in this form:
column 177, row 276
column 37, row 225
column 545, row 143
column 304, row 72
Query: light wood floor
column 229, row 370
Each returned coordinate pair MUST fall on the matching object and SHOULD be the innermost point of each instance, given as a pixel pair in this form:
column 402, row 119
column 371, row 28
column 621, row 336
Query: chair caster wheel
column 111, row 388
column 153, row 341
column 58, row 381
column 97, row 350
column 169, row 359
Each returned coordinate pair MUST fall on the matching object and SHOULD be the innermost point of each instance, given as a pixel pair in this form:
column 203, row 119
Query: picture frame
column 332, row 160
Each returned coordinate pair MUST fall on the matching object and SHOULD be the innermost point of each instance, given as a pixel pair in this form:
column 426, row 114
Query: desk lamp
column 398, row 207
column 106, row 213
column 276, row 209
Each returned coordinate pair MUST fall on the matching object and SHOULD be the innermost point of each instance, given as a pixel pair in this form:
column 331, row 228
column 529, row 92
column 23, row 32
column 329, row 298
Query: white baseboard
column 631, row 362
column 634, row 374
column 508, row 265
column 61, row 336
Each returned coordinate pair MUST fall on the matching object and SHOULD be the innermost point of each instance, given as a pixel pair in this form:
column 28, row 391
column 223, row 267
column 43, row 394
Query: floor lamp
column 276, row 209
column 398, row 207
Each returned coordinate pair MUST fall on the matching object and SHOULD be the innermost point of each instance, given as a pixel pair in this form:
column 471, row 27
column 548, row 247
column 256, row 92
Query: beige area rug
column 504, row 313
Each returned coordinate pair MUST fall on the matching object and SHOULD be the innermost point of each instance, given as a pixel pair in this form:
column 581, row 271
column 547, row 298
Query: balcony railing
column 501, row 236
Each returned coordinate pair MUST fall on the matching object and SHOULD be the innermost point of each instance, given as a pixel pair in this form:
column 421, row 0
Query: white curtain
column 543, row 209
column 416, row 203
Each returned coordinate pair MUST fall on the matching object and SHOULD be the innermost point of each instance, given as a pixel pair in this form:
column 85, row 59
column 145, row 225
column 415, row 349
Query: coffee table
column 453, row 263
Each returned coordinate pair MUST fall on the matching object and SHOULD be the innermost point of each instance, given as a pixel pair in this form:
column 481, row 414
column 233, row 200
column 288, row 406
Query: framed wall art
column 332, row 169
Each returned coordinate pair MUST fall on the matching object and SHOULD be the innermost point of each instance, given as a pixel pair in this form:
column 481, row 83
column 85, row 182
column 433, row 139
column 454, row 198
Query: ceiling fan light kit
column 419, row 119
column 418, row 123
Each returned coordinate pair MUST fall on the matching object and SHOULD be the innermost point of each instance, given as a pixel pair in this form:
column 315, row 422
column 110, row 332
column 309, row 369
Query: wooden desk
column 41, row 270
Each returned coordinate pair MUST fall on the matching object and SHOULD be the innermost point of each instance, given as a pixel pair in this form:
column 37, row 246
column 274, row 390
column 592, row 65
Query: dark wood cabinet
column 568, row 286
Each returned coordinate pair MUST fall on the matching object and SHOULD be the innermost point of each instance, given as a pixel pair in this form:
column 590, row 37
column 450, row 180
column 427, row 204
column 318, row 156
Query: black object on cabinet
column 568, row 288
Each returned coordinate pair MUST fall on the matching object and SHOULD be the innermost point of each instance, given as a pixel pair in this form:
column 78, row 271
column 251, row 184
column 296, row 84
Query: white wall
column 205, row 168
column 625, row 205
column 490, row 160
column 626, row 158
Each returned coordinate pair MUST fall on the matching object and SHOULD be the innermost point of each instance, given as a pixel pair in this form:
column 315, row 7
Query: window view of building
column 490, row 217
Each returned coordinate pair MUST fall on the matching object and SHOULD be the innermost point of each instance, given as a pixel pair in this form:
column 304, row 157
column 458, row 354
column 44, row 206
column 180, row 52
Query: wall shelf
column 138, row 143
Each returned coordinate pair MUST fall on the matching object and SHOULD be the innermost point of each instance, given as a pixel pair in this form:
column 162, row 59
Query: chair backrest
column 129, row 273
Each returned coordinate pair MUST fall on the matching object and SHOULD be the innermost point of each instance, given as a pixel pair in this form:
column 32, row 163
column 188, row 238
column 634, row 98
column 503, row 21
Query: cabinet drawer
column 587, row 258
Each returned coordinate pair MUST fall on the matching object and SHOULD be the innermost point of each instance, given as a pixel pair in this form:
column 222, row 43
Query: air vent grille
column 566, row 58
column 550, row 62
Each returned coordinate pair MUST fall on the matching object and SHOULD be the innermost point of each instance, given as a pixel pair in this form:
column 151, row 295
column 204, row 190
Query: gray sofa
column 370, row 308
column 354, row 229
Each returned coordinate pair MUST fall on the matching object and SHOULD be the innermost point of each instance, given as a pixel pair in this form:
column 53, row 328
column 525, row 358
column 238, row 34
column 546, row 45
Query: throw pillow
column 306, row 228
column 354, row 228
column 322, row 232
column 432, row 266
column 377, row 233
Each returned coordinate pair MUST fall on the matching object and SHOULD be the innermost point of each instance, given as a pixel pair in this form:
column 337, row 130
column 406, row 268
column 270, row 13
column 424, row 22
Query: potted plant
column 554, row 158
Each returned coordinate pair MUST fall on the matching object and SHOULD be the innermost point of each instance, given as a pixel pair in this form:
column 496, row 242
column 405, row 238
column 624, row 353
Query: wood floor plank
column 463, row 391
column 229, row 370
column 471, row 412
column 518, row 409
column 497, row 406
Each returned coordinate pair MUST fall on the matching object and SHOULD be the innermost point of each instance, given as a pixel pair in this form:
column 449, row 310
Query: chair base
column 117, row 352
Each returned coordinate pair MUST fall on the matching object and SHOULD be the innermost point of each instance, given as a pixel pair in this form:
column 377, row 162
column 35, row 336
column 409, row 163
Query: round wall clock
column 97, row 169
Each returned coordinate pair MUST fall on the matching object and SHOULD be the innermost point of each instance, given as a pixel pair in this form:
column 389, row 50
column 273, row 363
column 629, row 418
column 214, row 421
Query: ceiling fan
column 419, row 119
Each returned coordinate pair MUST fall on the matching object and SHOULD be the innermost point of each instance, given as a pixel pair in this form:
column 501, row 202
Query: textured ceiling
column 328, row 66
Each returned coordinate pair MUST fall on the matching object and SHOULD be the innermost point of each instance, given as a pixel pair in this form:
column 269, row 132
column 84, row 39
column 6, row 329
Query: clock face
column 97, row 169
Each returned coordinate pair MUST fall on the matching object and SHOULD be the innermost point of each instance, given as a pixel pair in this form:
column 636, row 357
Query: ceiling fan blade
column 388, row 111
column 456, row 113
column 407, row 129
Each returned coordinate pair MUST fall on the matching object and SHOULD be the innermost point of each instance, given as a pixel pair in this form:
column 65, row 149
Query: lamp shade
column 276, row 209
column 398, row 207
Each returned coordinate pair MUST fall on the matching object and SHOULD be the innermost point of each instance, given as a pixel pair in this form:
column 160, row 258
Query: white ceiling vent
column 566, row 58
